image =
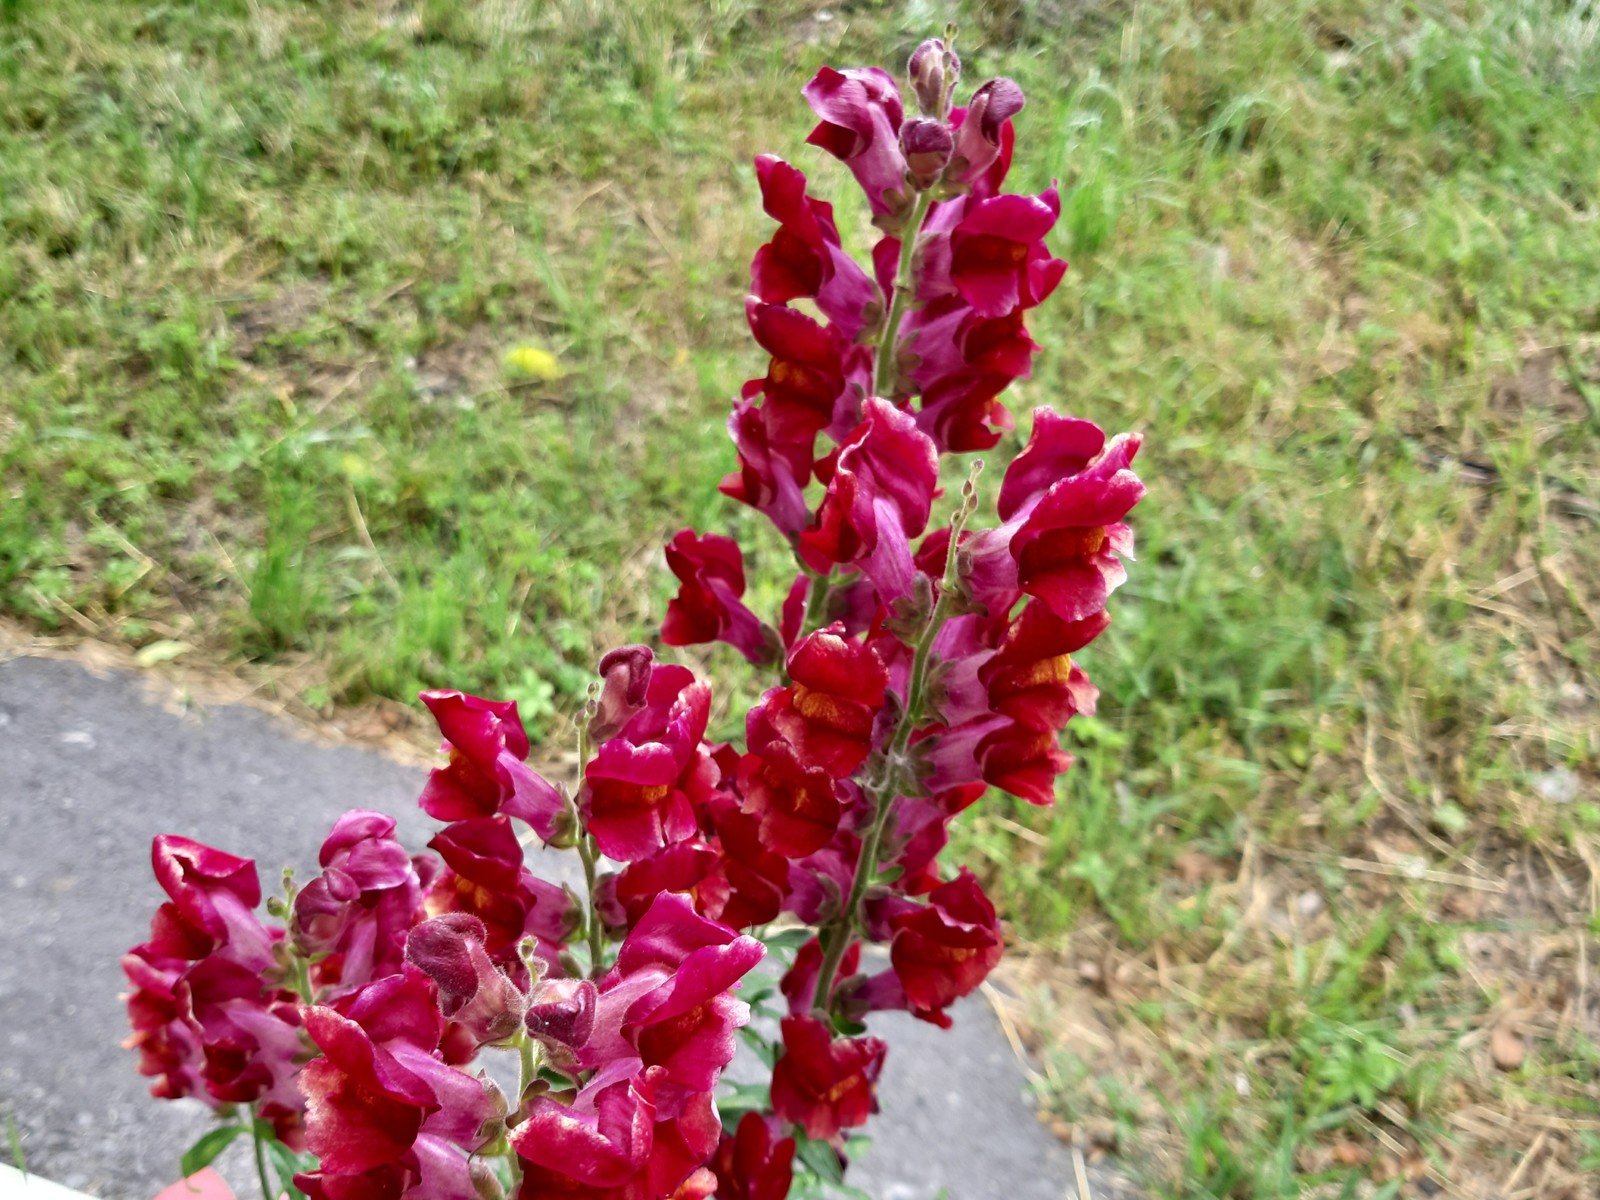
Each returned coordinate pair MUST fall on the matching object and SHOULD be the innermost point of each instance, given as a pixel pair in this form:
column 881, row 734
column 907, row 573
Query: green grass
column 260, row 263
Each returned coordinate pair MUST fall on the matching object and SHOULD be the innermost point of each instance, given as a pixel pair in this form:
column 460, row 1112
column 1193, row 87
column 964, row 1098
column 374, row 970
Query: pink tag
column 204, row 1184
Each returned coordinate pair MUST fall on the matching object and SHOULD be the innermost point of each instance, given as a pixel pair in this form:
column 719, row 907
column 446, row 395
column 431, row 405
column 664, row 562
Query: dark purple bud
column 561, row 1015
column 473, row 992
column 626, row 672
column 926, row 144
column 978, row 138
column 934, row 70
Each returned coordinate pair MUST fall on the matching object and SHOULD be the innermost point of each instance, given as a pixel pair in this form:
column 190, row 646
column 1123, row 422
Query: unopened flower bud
column 934, row 70
column 626, row 675
column 561, row 1015
column 978, row 138
column 473, row 992
column 926, row 144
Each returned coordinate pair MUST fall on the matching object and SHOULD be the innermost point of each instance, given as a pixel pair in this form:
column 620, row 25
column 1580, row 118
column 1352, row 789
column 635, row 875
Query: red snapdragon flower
column 1032, row 679
column 1063, row 501
column 822, row 1083
column 942, row 950
column 708, row 608
column 981, row 126
column 643, row 789
column 797, row 805
column 487, row 773
column 169, row 1047
column 1022, row 761
column 668, row 1001
column 879, row 496
column 385, row 1115
column 486, row 877
column 774, row 464
column 804, row 258
column 827, row 715
column 756, row 1162
column 250, row 1036
column 359, row 909
column 861, row 112
column 610, row 1142
column 214, row 895
column 815, row 379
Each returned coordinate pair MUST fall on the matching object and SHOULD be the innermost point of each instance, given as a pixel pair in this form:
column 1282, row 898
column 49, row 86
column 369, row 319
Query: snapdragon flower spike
column 825, row 1084
column 385, row 1115
column 487, row 773
column 611, row 1143
column 804, row 258
column 485, row 877
column 861, row 112
column 756, row 1162
column 668, row 1001
column 644, row 788
column 708, row 608
column 356, row 913
column 878, row 498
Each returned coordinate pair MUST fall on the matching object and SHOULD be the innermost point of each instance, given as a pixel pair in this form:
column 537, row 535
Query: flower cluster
column 918, row 662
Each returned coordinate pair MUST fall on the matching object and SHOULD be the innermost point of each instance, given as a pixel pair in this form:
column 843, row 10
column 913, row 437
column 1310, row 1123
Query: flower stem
column 836, row 937
column 596, row 935
column 588, row 852
column 816, row 602
column 904, row 287
column 261, row 1157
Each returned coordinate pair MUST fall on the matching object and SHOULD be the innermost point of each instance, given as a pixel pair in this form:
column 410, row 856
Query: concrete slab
column 90, row 772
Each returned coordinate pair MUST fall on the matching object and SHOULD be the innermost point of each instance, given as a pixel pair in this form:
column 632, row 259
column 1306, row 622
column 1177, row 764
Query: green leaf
column 821, row 1159
column 18, row 1159
column 745, row 1097
column 765, row 1050
column 288, row 1163
column 204, row 1152
column 787, row 939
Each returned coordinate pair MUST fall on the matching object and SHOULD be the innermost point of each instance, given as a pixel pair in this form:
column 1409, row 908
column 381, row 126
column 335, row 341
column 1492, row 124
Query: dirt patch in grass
column 1479, row 1088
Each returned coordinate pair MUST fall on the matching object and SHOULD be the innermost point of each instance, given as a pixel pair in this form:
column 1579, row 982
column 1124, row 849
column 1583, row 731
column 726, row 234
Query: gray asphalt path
column 89, row 772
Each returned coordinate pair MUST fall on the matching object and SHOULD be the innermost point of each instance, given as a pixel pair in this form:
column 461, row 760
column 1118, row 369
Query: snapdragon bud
column 978, row 138
column 926, row 144
column 934, row 70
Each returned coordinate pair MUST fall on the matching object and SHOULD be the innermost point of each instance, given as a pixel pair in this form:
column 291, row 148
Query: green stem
column 904, row 287
column 596, row 934
column 261, row 1157
column 817, row 602
column 302, row 977
column 836, row 938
